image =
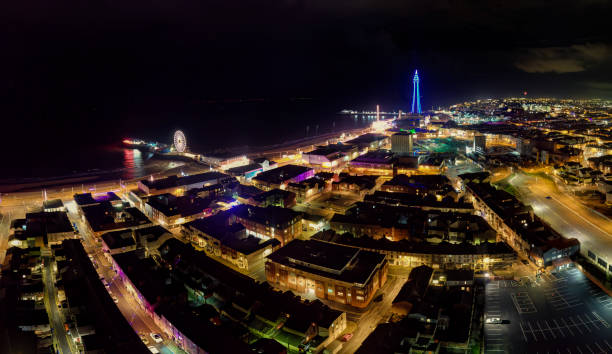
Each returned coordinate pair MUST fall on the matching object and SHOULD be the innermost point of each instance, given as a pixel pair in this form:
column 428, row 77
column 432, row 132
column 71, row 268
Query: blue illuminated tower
column 416, row 97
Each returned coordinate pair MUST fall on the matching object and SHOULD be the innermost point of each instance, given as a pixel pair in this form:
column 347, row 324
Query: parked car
column 154, row 350
column 144, row 338
column 347, row 337
column 157, row 338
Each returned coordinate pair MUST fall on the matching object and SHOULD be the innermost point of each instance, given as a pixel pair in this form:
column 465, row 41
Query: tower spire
column 416, row 97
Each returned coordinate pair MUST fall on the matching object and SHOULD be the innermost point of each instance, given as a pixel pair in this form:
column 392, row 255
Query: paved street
column 376, row 313
column 566, row 214
column 560, row 313
column 56, row 319
column 135, row 315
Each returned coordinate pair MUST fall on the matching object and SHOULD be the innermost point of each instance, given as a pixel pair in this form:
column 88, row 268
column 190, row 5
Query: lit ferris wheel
column 180, row 143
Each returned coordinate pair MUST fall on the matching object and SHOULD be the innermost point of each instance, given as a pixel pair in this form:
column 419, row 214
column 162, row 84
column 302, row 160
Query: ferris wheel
column 180, row 143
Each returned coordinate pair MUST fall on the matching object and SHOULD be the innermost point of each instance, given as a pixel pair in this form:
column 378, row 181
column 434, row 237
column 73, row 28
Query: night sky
column 71, row 67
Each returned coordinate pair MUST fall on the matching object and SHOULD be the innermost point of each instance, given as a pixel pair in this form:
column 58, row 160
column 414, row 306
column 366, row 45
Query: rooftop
column 406, row 246
column 366, row 139
column 176, row 181
column 119, row 239
column 171, row 205
column 47, row 223
column 343, row 263
column 271, row 215
column 282, row 174
column 104, row 216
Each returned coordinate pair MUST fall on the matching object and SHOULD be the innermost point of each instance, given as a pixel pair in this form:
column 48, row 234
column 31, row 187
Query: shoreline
column 33, row 184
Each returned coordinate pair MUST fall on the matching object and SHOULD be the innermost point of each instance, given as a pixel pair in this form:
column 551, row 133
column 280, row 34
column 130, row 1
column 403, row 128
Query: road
column 60, row 339
column 376, row 313
column 131, row 310
column 566, row 214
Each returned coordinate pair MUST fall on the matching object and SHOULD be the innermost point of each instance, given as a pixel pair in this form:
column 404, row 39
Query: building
column 330, row 156
column 52, row 227
column 230, row 305
column 225, row 161
column 445, row 255
column 369, row 141
column 270, row 222
column 480, row 144
column 517, row 225
column 345, row 275
column 280, row 177
column 380, row 221
column 436, row 185
column 109, row 331
column 105, row 217
column 53, row 205
column 274, row 197
column 171, row 211
column 401, row 143
column 246, row 172
column 360, row 185
column 178, row 185
column 229, row 242
column 87, row 199
column 374, row 162
column 308, row 188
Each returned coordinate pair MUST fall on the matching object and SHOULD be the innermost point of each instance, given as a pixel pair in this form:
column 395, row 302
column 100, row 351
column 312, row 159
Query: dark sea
column 93, row 144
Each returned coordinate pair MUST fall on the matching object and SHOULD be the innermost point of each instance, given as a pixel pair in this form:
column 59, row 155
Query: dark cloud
column 575, row 58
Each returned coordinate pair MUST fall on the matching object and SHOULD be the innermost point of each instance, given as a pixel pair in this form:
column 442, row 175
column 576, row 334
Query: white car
column 115, row 299
column 154, row 350
column 144, row 339
column 157, row 338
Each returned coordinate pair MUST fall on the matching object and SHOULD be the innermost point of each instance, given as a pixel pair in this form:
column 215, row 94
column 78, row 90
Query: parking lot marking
column 579, row 350
column 559, row 328
column 567, row 327
column 550, row 329
column 575, row 325
column 583, row 323
column 541, row 331
column 600, row 348
column 608, row 344
column 523, row 331
column 532, row 332
column 589, row 348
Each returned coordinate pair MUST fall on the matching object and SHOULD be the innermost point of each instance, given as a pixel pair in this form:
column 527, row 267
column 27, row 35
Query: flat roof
column 366, row 139
column 53, row 203
column 282, row 174
column 47, row 223
column 119, row 239
column 343, row 263
column 377, row 156
column 175, row 181
column 407, row 246
column 171, row 205
column 152, row 233
column 101, row 217
column 240, row 170
column 271, row 215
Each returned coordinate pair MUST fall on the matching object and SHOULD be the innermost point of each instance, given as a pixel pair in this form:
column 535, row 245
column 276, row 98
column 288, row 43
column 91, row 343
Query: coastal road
column 566, row 214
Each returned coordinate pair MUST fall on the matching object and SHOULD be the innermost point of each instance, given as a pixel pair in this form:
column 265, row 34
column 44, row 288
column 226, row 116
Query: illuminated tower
column 416, row 97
